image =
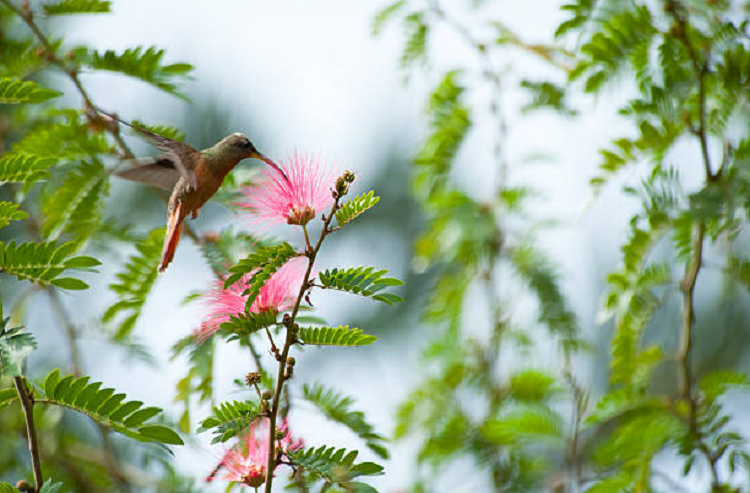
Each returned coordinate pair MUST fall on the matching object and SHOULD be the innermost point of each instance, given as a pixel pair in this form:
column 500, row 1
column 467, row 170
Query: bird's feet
column 194, row 214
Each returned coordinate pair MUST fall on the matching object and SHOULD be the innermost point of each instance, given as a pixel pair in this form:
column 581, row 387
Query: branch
column 290, row 339
column 28, row 410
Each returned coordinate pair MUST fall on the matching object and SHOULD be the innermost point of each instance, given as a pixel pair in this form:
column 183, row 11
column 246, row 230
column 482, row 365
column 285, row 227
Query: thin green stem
column 290, row 339
column 27, row 403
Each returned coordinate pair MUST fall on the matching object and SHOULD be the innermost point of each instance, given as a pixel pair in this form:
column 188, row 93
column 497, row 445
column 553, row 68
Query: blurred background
column 311, row 75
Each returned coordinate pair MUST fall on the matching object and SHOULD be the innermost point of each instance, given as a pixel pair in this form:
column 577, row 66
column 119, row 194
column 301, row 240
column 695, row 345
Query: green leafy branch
column 337, row 407
column 44, row 262
column 229, row 419
column 106, row 407
column 335, row 336
column 336, row 466
column 363, row 281
column 261, row 264
column 135, row 283
column 351, row 209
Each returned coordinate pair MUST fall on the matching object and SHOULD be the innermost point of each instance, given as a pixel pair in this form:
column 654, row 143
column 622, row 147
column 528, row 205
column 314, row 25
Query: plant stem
column 701, row 68
column 290, row 339
column 28, row 410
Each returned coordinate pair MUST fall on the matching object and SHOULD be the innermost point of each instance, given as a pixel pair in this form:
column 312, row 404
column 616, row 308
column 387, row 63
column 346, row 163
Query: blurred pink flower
column 307, row 193
column 246, row 462
column 279, row 294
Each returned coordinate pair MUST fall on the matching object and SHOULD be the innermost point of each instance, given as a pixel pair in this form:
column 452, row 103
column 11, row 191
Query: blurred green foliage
column 529, row 430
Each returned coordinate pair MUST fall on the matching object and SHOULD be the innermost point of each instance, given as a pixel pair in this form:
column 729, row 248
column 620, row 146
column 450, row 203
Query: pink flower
column 275, row 200
column 278, row 294
column 247, row 461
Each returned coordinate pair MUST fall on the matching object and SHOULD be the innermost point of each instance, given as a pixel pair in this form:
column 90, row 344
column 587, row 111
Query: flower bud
column 24, row 485
column 253, row 378
column 267, row 395
column 280, row 434
column 290, row 361
column 342, row 183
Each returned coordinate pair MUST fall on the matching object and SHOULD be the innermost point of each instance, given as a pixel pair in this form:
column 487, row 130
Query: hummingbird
column 192, row 176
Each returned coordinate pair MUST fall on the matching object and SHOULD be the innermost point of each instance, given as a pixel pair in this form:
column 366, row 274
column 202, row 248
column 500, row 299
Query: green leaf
column 714, row 384
column 63, row 134
column 363, row 281
column 144, row 64
column 135, row 283
column 75, row 206
column 450, row 121
column 106, row 408
column 535, row 424
column 337, row 407
column 50, row 486
column 7, row 488
column 228, row 419
column 334, row 465
column 260, row 265
column 382, row 17
column 24, row 168
column 19, row 57
column 160, row 434
column 7, row 396
column 531, row 386
column 355, row 207
column 16, row 91
column 242, row 325
column 173, row 133
column 15, row 345
column 619, row 483
column 9, row 211
column 43, row 262
column 554, row 312
column 415, row 48
column 77, row 7
column 335, row 336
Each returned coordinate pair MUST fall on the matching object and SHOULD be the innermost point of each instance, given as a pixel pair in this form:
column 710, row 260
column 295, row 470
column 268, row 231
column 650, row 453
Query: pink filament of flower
column 278, row 294
column 273, row 200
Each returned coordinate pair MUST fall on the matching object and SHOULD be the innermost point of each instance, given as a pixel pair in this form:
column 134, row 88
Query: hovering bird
column 191, row 176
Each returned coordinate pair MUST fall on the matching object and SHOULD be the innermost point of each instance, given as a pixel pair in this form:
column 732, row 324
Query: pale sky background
column 310, row 75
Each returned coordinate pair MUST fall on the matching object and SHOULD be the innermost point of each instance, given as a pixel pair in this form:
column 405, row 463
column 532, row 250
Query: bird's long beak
column 272, row 164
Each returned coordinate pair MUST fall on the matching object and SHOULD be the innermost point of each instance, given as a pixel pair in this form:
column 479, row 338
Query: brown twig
column 701, row 67
column 27, row 403
column 289, row 322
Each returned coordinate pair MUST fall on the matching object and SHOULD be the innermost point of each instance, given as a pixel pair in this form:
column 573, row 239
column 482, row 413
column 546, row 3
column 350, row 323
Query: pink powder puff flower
column 278, row 294
column 246, row 462
column 275, row 200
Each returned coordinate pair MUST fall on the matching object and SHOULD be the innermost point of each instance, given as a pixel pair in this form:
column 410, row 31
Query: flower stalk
column 291, row 338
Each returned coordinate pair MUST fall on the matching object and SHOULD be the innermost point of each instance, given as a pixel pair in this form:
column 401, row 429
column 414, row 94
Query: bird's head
column 239, row 147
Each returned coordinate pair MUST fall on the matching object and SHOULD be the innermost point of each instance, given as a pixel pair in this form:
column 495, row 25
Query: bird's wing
column 184, row 156
column 157, row 172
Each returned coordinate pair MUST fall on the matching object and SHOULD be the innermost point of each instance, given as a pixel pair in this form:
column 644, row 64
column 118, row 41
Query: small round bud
column 24, row 485
column 267, row 395
column 290, row 361
column 253, row 378
column 295, row 329
column 280, row 434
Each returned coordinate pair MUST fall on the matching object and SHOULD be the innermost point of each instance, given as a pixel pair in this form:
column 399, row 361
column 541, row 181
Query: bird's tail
column 174, row 227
